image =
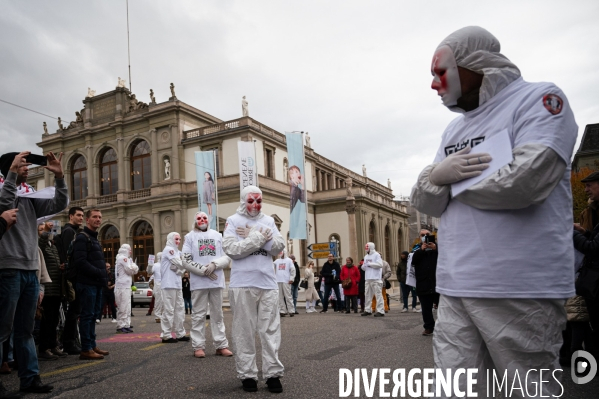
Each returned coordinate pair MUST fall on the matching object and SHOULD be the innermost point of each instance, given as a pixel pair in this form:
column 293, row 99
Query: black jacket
column 425, row 266
column 52, row 260
column 91, row 267
column 327, row 272
column 296, row 281
column 186, row 288
column 588, row 244
column 67, row 234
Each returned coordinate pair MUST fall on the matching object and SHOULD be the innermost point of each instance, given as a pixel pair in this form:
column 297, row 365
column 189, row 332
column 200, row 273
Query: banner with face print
column 248, row 168
column 207, row 193
column 297, row 186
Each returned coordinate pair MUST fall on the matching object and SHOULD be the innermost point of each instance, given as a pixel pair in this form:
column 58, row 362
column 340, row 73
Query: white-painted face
column 446, row 79
column 202, row 221
column 177, row 240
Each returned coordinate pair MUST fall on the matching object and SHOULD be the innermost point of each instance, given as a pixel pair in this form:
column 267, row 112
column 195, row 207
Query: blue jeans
column 19, row 291
column 187, row 304
column 294, row 289
column 90, row 297
column 327, row 294
column 405, row 292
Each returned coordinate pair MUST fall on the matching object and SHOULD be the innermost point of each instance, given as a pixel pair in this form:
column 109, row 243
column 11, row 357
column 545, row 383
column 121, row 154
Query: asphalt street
column 314, row 347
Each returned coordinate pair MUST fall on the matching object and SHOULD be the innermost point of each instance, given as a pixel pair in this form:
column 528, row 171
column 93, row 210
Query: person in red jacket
column 351, row 292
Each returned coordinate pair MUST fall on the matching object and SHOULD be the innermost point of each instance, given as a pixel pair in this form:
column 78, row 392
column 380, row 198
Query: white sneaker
column 416, row 310
column 404, row 310
column 97, row 321
column 113, row 320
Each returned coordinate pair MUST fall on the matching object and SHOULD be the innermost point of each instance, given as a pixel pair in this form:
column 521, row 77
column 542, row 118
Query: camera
column 428, row 239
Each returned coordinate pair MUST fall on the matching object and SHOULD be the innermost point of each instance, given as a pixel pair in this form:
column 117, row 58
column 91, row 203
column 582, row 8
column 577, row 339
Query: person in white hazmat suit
column 157, row 288
column 173, row 307
column 285, row 271
column 250, row 239
column 204, row 246
column 124, row 271
column 501, row 306
column 373, row 281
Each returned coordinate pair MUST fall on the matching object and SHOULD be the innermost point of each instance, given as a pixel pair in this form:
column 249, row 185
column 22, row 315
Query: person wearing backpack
column 70, row 335
column 88, row 259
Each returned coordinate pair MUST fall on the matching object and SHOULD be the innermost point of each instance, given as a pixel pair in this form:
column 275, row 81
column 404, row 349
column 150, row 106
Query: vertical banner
column 248, row 168
column 206, row 177
column 297, row 186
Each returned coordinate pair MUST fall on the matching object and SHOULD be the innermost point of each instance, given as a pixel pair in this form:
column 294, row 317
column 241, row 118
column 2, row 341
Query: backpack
column 70, row 269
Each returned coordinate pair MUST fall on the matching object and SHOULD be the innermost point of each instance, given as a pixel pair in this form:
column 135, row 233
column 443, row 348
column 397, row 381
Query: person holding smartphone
column 424, row 261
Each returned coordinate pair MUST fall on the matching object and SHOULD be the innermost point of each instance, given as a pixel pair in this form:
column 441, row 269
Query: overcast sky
column 355, row 74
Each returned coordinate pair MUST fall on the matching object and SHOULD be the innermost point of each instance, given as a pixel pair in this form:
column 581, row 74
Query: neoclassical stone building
column 115, row 155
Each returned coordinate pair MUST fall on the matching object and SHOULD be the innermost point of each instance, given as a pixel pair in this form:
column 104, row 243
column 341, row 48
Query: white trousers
column 374, row 288
column 501, row 335
column 285, row 294
column 157, row 300
column 199, row 304
column 173, row 313
column 256, row 309
column 122, row 298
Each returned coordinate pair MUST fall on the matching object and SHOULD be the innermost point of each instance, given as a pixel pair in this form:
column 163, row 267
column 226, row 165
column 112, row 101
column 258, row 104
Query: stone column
column 158, row 244
column 178, row 223
column 155, row 161
column 350, row 208
column 125, row 235
column 92, row 176
column 121, row 161
column 175, row 152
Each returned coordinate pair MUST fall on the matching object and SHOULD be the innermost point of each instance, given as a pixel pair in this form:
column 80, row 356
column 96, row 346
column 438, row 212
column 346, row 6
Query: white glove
column 212, row 276
column 210, row 268
column 266, row 233
column 459, row 166
column 243, row 232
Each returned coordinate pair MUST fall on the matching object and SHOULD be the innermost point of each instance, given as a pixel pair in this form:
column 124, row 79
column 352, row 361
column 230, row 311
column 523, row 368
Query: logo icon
column 584, row 367
column 250, row 161
column 553, row 103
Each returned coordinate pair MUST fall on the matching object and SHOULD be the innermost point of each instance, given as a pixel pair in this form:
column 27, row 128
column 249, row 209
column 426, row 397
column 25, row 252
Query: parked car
column 142, row 295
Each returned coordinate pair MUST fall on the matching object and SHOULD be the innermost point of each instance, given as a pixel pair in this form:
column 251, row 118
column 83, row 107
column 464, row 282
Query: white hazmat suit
column 205, row 247
column 373, row 281
column 285, row 271
column 157, row 287
column 124, row 271
column 499, row 306
column 171, row 270
column 250, row 239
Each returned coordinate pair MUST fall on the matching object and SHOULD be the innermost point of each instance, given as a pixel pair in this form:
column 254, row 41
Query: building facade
column 115, row 155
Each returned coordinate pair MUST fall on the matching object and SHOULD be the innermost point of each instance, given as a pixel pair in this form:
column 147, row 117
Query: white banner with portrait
column 207, row 193
column 297, row 186
column 248, row 167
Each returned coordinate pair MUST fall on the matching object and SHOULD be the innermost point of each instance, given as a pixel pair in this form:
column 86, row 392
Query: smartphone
column 37, row 159
column 429, row 239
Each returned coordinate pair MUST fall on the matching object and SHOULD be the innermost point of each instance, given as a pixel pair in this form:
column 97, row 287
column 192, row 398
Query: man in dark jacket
column 296, row 281
column 70, row 335
column 424, row 261
column 331, row 272
column 51, row 303
column 88, row 260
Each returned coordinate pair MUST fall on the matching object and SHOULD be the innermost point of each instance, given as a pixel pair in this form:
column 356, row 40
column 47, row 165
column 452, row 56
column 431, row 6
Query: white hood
column 477, row 50
column 244, row 194
column 158, row 258
column 124, row 251
column 170, row 239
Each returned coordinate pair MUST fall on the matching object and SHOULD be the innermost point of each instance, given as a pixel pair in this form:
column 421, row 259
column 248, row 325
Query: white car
column 142, row 295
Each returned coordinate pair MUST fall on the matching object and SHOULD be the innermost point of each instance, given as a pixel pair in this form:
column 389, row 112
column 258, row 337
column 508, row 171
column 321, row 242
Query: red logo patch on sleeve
column 553, row 103
column 171, row 252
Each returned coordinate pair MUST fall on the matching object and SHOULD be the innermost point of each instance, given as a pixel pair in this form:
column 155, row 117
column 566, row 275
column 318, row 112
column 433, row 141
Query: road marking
column 81, row 366
column 149, row 348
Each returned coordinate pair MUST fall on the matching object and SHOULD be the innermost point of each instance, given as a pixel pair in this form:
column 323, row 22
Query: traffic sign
column 321, row 246
column 318, row 255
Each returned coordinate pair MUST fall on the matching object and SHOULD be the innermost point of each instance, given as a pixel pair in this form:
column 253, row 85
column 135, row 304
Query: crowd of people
column 498, row 307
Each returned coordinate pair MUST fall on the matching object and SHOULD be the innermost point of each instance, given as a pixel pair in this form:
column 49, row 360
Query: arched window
column 79, row 178
column 334, row 238
column 141, row 169
column 111, row 242
column 399, row 241
column 387, row 244
column 143, row 243
column 109, row 178
column 371, row 230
